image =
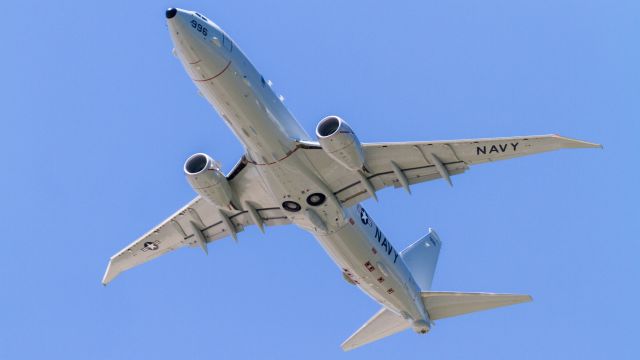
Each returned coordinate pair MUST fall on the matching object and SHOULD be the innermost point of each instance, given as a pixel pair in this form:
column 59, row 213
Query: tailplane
column 439, row 305
column 445, row 304
column 384, row 323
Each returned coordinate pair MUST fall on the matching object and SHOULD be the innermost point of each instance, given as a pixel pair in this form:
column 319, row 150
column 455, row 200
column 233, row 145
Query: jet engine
column 340, row 142
column 205, row 177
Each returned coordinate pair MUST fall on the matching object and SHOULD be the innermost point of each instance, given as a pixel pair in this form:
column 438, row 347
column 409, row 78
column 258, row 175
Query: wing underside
column 406, row 163
column 199, row 223
column 388, row 164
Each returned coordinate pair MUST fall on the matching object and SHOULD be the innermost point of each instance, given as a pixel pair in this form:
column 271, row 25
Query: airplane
column 286, row 177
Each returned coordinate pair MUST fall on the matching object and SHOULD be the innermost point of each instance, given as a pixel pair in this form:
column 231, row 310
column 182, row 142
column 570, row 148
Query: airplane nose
column 171, row 12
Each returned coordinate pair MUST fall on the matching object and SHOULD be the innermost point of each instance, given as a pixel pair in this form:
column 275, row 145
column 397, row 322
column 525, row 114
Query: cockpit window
column 201, row 17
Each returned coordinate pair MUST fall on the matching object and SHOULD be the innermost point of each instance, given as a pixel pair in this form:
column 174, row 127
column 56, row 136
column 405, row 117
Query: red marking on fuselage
column 216, row 75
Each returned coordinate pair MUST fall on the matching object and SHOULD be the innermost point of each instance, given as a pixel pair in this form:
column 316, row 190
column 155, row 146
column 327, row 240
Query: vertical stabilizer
column 421, row 258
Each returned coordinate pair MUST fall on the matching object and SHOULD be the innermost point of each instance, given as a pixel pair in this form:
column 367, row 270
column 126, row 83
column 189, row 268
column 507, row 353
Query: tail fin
column 442, row 305
column 421, row 258
column 382, row 324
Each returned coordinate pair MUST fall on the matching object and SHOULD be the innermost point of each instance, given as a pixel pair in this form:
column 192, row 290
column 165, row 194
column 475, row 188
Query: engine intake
column 205, row 177
column 340, row 142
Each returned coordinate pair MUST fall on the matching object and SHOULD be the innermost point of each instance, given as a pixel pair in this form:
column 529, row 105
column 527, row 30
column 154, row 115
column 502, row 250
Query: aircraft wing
column 199, row 223
column 403, row 164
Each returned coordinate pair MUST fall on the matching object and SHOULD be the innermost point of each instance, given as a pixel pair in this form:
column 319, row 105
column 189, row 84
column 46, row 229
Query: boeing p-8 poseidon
column 285, row 177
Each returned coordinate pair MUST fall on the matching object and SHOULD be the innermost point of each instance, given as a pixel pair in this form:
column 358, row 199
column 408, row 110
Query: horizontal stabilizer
column 442, row 305
column 381, row 325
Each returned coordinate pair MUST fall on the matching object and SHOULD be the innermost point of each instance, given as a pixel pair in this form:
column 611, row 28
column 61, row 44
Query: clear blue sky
column 98, row 117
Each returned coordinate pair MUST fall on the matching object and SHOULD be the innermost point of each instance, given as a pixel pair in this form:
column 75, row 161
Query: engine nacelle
column 340, row 142
column 205, row 177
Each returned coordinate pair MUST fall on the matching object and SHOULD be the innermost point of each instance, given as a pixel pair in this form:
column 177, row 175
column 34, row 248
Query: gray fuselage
column 271, row 136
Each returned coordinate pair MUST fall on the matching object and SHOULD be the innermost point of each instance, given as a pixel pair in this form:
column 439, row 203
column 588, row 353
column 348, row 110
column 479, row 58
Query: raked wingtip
column 575, row 143
column 109, row 275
